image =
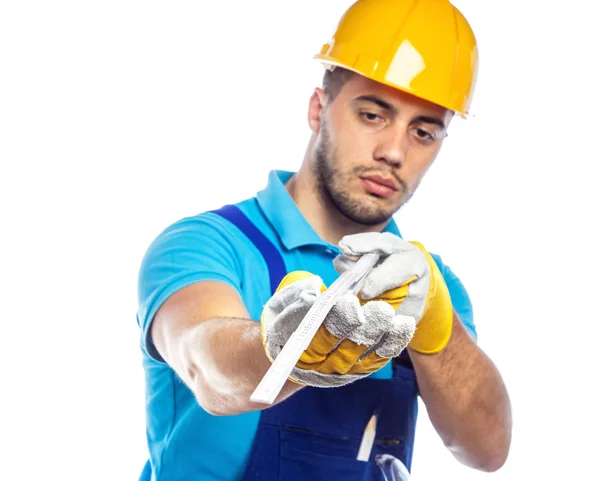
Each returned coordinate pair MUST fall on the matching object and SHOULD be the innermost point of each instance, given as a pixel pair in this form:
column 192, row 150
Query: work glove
column 408, row 279
column 353, row 341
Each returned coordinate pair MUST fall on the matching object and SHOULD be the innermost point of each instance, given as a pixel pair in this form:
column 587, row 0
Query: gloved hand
column 353, row 341
column 407, row 278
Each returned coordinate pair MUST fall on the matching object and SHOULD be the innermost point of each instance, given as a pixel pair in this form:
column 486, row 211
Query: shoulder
column 206, row 226
column 206, row 235
column 203, row 247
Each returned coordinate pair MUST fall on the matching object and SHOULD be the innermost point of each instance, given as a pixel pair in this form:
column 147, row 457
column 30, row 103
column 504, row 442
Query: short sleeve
column 191, row 250
column 459, row 296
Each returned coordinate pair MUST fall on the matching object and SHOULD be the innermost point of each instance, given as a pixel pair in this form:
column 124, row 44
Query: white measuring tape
column 274, row 379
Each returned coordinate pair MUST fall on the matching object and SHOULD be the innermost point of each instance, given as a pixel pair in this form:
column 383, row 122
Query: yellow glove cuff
column 435, row 327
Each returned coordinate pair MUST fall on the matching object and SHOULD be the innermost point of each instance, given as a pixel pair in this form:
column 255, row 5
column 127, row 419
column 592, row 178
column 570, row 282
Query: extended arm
column 204, row 333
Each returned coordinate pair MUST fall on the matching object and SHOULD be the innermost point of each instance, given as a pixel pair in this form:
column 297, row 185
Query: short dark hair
column 333, row 81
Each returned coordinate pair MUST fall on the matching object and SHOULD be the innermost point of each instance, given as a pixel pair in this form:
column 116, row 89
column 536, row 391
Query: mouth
column 380, row 186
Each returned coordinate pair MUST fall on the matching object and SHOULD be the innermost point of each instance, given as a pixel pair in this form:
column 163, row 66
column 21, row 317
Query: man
column 221, row 292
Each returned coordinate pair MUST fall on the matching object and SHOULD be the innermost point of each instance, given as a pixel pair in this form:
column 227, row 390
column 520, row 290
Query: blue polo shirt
column 184, row 441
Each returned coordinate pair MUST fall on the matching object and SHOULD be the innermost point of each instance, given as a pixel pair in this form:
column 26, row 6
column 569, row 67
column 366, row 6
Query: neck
column 323, row 216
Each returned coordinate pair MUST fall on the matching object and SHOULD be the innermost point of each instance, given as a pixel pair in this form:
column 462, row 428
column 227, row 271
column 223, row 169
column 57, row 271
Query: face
column 374, row 144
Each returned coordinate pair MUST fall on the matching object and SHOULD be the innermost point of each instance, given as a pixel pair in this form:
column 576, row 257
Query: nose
column 392, row 147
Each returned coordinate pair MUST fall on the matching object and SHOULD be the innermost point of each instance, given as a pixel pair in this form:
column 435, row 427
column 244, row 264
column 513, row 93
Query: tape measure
column 274, row 379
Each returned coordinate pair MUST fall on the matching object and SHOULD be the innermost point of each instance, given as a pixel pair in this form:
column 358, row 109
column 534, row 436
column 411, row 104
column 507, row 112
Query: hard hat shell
column 423, row 47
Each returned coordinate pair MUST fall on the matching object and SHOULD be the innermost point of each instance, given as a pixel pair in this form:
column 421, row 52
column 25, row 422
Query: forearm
column 224, row 361
column 466, row 400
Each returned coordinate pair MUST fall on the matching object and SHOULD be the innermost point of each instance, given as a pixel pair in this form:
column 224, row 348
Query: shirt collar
column 283, row 214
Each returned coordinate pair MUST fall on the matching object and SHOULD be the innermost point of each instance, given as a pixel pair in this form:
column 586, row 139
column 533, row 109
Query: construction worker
column 221, row 292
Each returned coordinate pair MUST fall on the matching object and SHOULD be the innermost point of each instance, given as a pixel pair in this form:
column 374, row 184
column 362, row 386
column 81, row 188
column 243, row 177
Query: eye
column 370, row 117
column 424, row 136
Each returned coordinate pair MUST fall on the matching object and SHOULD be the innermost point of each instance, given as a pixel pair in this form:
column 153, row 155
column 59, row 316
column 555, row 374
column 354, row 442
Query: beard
column 331, row 182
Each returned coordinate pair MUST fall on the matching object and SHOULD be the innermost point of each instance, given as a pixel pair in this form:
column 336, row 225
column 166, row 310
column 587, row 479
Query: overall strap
column 270, row 253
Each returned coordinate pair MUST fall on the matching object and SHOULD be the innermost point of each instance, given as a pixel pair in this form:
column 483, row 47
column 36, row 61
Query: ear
column 316, row 106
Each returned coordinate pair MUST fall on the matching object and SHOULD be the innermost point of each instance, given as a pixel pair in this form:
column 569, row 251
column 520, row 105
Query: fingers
column 349, row 355
column 343, row 318
column 357, row 339
column 354, row 331
column 353, row 339
column 368, row 364
column 402, row 264
column 397, row 337
column 378, row 320
column 283, row 325
column 318, row 349
column 384, row 243
column 395, row 271
column 397, row 333
column 415, row 302
column 340, row 360
column 393, row 297
column 311, row 286
column 343, row 264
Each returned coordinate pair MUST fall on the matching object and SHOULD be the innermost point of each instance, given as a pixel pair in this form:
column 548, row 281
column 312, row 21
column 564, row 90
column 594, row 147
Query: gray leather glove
column 353, row 341
column 399, row 262
column 407, row 278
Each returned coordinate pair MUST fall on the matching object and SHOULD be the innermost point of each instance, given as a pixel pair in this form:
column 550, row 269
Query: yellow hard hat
column 423, row 47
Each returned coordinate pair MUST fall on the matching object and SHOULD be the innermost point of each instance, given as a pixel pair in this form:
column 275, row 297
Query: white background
column 120, row 117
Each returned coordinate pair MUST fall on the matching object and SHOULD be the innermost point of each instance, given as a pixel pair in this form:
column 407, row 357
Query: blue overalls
column 315, row 434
